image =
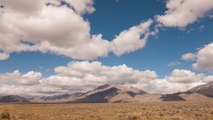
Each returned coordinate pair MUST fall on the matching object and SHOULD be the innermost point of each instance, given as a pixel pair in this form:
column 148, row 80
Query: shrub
column 134, row 116
column 5, row 115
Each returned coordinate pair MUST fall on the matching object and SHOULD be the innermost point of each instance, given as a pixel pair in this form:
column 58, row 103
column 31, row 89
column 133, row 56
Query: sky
column 62, row 46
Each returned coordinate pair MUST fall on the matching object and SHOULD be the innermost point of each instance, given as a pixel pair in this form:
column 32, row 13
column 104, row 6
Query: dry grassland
column 118, row 111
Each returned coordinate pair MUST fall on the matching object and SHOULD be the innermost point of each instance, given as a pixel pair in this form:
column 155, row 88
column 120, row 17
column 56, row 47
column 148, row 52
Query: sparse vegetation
column 118, row 111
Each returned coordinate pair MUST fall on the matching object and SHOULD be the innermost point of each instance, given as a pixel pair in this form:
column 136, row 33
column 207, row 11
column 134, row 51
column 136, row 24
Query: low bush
column 135, row 116
column 5, row 115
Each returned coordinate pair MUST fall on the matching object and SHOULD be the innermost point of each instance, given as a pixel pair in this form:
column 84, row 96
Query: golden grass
column 118, row 111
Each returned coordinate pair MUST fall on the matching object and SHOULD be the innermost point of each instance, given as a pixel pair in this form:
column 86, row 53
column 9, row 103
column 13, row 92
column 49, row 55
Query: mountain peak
column 120, row 88
column 102, row 86
column 110, row 93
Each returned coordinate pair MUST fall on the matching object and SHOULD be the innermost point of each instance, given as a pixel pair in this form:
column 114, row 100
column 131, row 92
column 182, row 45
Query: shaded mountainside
column 60, row 97
column 206, row 89
column 99, row 97
column 172, row 97
column 13, row 98
column 56, row 97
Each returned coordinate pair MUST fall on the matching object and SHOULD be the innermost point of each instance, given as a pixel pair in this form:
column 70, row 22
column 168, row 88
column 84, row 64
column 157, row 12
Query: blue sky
column 110, row 18
column 62, row 46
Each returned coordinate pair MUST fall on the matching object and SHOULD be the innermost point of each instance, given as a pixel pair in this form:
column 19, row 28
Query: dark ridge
column 56, row 97
column 98, row 88
column 60, row 97
column 172, row 97
column 13, row 98
column 132, row 94
column 120, row 101
column 100, row 97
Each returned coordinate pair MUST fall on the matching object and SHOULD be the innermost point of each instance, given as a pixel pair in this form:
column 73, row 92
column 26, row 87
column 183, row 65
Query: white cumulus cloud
column 204, row 59
column 171, row 64
column 54, row 26
column 184, row 76
column 181, row 13
column 132, row 39
column 188, row 57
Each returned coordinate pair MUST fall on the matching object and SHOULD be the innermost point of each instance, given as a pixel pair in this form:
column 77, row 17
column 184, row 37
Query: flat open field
column 119, row 111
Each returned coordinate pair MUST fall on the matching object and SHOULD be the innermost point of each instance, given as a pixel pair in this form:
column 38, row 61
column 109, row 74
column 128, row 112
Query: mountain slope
column 194, row 97
column 206, row 89
column 13, row 98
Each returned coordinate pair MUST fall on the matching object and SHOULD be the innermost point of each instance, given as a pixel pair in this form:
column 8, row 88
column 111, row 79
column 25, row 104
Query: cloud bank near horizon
column 85, row 75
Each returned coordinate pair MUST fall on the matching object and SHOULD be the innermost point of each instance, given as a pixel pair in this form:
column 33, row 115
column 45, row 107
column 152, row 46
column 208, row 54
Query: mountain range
column 118, row 93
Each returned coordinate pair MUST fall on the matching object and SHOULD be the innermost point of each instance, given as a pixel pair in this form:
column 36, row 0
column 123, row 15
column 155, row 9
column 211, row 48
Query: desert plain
column 202, row 110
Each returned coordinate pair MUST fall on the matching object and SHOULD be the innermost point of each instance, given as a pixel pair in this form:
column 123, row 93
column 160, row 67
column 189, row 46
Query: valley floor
column 115, row 111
